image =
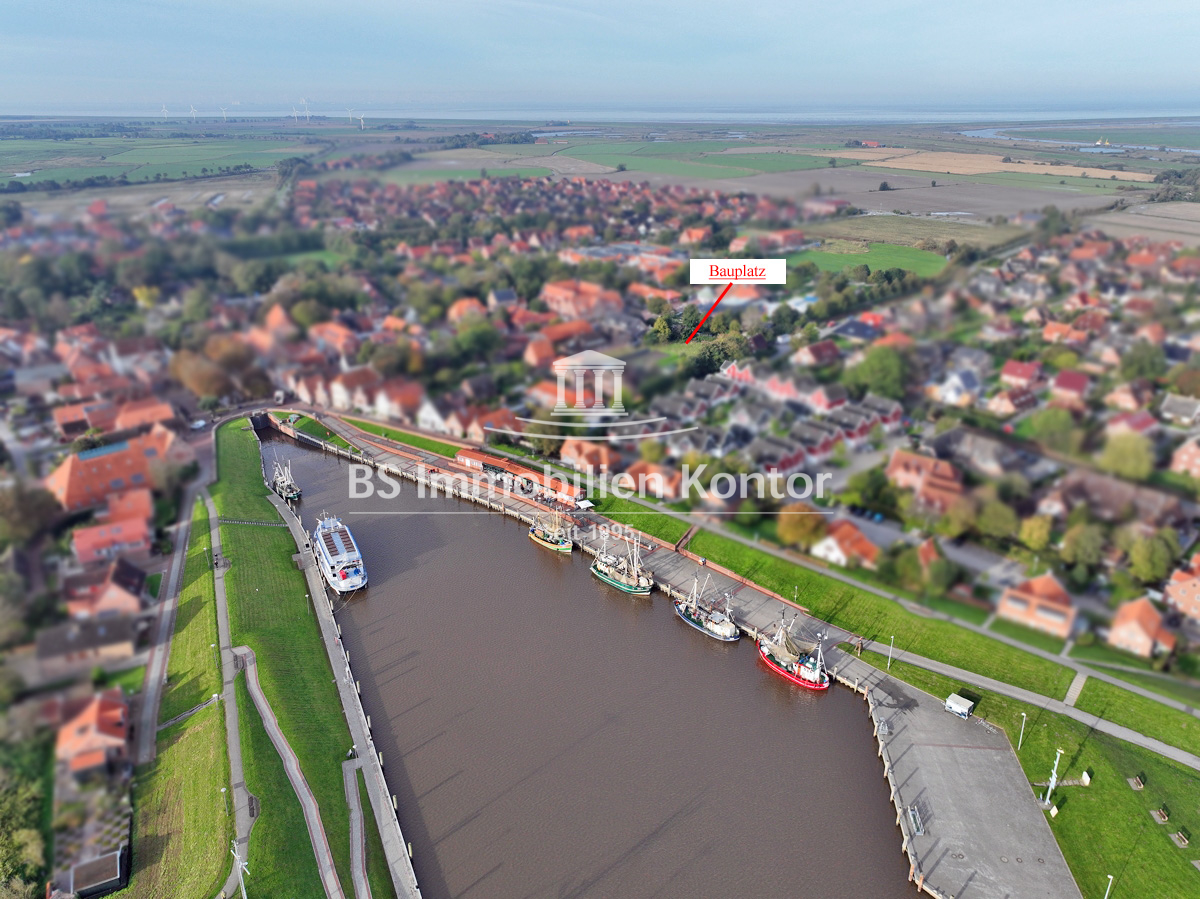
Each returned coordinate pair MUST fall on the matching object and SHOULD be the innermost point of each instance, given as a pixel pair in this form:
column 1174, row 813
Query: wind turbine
column 350, row 113
column 362, row 125
column 164, row 110
column 295, row 115
column 193, row 112
column 223, row 117
column 307, row 114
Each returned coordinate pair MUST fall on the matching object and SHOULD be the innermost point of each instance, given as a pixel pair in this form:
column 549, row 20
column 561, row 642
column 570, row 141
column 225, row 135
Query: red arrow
column 709, row 312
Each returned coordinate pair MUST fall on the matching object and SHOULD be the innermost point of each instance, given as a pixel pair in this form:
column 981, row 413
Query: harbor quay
column 970, row 824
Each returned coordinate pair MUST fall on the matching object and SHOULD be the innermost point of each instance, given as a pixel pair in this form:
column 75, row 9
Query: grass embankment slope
column 193, row 675
column 877, row 618
column 428, row 444
column 179, row 815
column 1105, row 828
column 1144, row 715
column 269, row 613
column 180, row 830
column 314, row 428
column 626, row 511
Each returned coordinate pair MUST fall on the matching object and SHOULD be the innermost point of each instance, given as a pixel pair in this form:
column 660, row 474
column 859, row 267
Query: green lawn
column 193, row 674
column 180, row 831
column 771, row 162
column 154, row 583
column 878, row 619
column 130, row 680
column 1105, row 828
column 314, row 428
column 377, row 869
column 878, row 256
column 662, row 165
column 428, row 444
column 280, row 858
column 1166, row 686
column 240, row 490
column 956, row 609
column 626, row 511
column 1028, row 635
column 268, row 613
column 1102, row 652
column 1143, row 715
column 1045, row 179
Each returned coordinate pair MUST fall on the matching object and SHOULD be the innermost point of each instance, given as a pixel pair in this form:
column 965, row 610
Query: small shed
column 959, row 705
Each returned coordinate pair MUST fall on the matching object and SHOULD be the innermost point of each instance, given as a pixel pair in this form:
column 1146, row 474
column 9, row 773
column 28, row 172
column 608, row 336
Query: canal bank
column 953, row 797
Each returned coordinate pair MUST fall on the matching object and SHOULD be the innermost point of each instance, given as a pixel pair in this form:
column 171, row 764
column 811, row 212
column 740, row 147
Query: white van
column 959, row 706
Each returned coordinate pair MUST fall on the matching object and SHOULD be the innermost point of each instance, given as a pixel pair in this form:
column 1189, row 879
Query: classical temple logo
column 585, row 381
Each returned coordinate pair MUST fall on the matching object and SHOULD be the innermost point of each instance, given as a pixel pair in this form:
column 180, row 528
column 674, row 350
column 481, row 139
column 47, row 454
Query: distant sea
column 716, row 115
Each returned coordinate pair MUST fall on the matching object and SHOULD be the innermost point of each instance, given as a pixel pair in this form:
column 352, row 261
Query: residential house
column 827, row 397
column 1183, row 589
column 972, row 359
column 465, row 308
column 106, row 541
column 334, row 340
column 398, row 399
column 844, row 545
column 1180, row 410
column 960, row 388
column 490, row 424
column 580, row 299
column 87, row 478
column 354, row 389
column 502, row 299
column 1131, row 396
column 1113, row 500
column 1039, row 603
column 652, row 479
column 775, row 455
column 105, row 592
column 591, row 456
column 1007, row 403
column 96, row 739
column 1141, row 422
column 889, row 412
column 823, row 352
column 68, row 649
column 1138, row 627
column 432, row 415
column 1070, row 389
column 1186, row 458
column 936, row 484
column 1021, row 374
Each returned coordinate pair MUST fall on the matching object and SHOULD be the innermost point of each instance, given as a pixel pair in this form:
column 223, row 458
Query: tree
column 883, row 371
column 1128, row 455
column 652, row 451
column 959, row 518
column 1054, row 427
column 89, row 439
column 997, row 519
column 883, row 185
column 1143, row 360
column 799, row 524
column 941, row 576
column 1083, row 545
column 1150, row 559
column 662, row 329
column 1035, row 532
column 25, row 511
column 543, row 437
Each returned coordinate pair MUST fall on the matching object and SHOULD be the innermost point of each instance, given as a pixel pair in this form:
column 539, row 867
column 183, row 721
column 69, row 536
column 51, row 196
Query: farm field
column 908, row 230
column 408, row 175
column 951, row 163
column 878, row 256
column 138, row 159
column 1038, row 181
column 1160, row 221
column 137, row 200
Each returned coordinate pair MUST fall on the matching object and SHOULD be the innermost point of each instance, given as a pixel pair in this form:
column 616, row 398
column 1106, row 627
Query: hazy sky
column 132, row 56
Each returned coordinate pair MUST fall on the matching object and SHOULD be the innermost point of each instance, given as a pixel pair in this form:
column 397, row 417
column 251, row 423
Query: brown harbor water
column 548, row 736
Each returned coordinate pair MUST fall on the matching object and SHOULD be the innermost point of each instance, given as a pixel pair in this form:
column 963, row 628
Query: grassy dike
column 877, row 618
column 1104, row 828
column 449, row 450
column 269, row 613
column 180, row 844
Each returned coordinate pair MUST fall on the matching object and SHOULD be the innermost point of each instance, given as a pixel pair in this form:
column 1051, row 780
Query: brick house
column 844, row 544
column 1040, row 603
column 1138, row 628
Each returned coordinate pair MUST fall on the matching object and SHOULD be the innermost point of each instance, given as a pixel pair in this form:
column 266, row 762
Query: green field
column 1165, row 686
column 180, row 830
column 1039, row 181
column 139, row 159
column 879, row 256
column 131, row 680
column 428, row 444
column 626, row 511
column 408, row 175
column 907, row 230
column 280, row 858
column 877, row 618
column 192, row 667
column 1037, row 639
column 1105, row 828
column 1102, row 652
column 1143, row 715
column 239, row 491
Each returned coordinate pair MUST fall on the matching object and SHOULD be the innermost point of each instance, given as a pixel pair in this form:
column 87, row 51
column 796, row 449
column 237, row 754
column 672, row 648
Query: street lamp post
column 891, row 644
column 1108, row 889
column 1021, row 738
column 225, row 796
column 307, row 604
column 216, row 653
column 1053, row 777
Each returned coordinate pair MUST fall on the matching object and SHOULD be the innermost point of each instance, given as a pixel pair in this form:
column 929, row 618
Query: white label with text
column 739, row 271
